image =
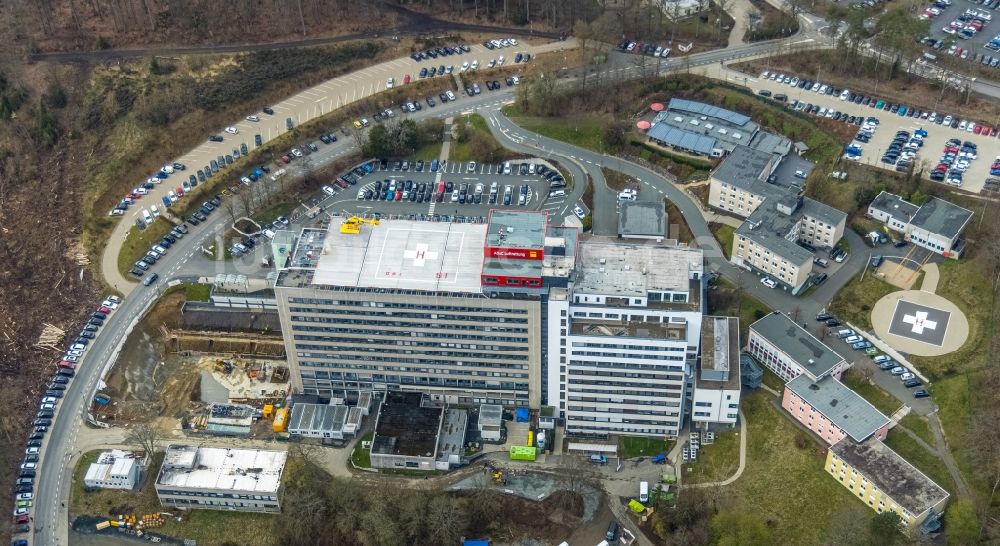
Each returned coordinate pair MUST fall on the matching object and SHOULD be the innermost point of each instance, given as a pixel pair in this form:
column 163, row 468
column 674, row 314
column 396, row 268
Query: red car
column 104, row 309
column 23, row 518
column 406, row 79
column 67, row 364
column 179, row 191
column 285, row 159
column 978, row 129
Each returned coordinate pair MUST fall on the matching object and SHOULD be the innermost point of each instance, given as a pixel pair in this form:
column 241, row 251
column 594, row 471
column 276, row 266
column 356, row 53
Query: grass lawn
column 854, row 301
column 138, row 241
column 772, row 380
column 782, row 481
column 954, row 398
column 478, row 143
column 269, row 214
column 428, row 152
column 197, row 292
column 882, row 400
column 724, row 233
column 919, row 426
column 725, row 300
column 925, row 461
column 634, row 446
column 583, row 131
column 962, row 283
column 210, row 527
column 361, row 457
column 717, row 461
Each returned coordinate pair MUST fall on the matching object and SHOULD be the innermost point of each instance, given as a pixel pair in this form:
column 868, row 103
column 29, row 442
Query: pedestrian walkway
column 743, row 458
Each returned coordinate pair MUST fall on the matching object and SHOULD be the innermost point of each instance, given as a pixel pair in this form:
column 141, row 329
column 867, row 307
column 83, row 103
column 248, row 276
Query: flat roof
column 809, row 352
column 941, row 218
column 894, row 205
column 616, row 269
column 233, row 469
column 822, row 211
column 642, row 218
column 676, row 331
column 747, row 169
column 396, row 254
column 490, row 415
column 406, row 427
column 516, row 229
column 897, row 478
column 720, row 353
column 769, row 227
column 318, row 417
column 841, row 405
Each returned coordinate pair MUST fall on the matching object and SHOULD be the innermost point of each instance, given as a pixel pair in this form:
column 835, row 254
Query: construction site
column 187, row 357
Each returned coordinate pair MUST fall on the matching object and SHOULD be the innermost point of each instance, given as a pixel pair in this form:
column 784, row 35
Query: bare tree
column 144, row 435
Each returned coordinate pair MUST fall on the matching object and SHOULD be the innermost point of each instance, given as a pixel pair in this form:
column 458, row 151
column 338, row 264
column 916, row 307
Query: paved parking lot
column 976, row 44
column 889, row 124
column 535, row 189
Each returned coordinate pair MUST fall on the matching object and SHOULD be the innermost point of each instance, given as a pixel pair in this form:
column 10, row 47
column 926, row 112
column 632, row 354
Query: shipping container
column 522, row 453
column 280, row 420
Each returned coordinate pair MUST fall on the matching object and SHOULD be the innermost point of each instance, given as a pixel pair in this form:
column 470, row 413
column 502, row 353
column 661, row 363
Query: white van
column 643, row 492
column 146, row 217
column 557, row 193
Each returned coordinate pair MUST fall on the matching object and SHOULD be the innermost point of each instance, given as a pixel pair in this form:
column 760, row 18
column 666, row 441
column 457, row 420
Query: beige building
column 886, row 482
column 739, row 184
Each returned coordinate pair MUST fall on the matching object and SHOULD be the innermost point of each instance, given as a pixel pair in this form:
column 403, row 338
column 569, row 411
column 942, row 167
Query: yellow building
column 879, row 477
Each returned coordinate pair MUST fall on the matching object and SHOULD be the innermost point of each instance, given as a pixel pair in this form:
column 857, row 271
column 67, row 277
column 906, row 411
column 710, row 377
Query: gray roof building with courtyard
column 843, row 407
column 406, row 432
column 642, row 220
column 705, row 129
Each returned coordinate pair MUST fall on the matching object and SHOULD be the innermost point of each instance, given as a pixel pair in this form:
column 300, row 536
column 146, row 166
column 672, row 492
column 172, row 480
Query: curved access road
column 300, row 108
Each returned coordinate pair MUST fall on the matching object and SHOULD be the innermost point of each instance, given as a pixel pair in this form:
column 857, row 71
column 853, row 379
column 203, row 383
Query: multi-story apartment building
column 622, row 339
column 789, row 350
column 832, row 410
column 717, row 384
column 885, row 481
column 936, row 225
column 778, row 217
column 451, row 309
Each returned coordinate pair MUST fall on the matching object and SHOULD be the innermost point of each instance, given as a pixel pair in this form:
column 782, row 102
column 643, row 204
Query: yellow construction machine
column 353, row 224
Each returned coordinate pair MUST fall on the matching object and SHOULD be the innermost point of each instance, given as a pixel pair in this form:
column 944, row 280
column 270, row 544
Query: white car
column 579, row 212
column 471, row 167
column 500, row 61
column 154, row 210
column 232, row 130
column 389, row 83
column 32, row 451
column 513, row 41
column 140, row 190
column 768, row 282
column 252, row 117
column 328, row 190
column 172, row 196
column 465, row 66
column 475, row 65
column 110, row 304
column 75, row 353
column 516, row 80
column 25, row 496
column 169, row 169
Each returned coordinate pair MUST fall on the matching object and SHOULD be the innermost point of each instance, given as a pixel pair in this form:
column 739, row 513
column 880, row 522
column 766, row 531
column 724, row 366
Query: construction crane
column 353, row 224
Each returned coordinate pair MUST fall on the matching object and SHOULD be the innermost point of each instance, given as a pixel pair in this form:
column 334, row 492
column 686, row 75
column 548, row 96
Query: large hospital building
column 512, row 311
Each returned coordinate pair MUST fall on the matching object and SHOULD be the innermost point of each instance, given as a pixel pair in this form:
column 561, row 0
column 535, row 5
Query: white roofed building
column 247, row 480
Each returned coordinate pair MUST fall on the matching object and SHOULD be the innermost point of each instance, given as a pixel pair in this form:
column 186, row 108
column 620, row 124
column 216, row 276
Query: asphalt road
column 53, row 486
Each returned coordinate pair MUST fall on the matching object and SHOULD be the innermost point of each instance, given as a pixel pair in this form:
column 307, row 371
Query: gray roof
column 841, row 405
column 771, row 143
column 770, row 228
column 642, row 218
column 894, row 205
column 745, row 168
column 898, row 479
column 709, row 110
column 317, row 418
column 810, row 353
column 681, row 139
column 720, row 353
column 821, row 211
column 941, row 218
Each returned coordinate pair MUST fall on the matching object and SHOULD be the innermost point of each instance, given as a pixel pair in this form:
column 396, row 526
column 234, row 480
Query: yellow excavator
column 353, row 224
